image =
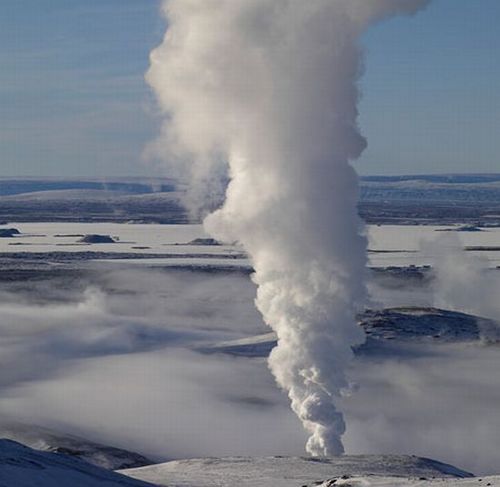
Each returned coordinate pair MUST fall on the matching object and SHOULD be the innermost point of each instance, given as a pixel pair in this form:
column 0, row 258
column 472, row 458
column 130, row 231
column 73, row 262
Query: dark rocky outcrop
column 96, row 239
column 9, row 232
column 203, row 241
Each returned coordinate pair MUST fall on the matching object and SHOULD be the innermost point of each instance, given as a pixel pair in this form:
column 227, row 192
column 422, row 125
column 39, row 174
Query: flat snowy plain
column 395, row 245
column 111, row 352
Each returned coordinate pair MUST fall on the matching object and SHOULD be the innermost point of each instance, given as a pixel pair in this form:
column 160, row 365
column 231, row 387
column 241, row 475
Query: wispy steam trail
column 268, row 88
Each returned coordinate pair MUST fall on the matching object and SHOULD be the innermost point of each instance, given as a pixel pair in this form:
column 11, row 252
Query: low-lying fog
column 111, row 358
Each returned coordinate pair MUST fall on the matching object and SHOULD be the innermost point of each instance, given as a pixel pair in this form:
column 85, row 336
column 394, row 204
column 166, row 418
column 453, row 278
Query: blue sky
column 73, row 101
column 432, row 91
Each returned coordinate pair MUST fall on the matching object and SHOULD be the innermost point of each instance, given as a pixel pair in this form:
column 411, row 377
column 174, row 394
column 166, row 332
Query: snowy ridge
column 44, row 439
column 292, row 472
column 426, row 324
column 408, row 324
column 110, row 196
column 408, row 482
column 428, row 189
column 21, row 466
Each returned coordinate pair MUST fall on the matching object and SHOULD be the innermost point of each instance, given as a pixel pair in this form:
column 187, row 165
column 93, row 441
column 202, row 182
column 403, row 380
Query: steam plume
column 464, row 281
column 268, row 88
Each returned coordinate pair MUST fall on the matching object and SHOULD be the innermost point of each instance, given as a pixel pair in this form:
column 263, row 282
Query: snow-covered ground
column 292, row 472
column 53, row 237
column 401, row 326
column 391, row 245
column 402, row 245
column 44, row 439
column 21, row 466
column 110, row 352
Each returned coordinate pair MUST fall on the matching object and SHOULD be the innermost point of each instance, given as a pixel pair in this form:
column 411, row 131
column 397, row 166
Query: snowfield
column 21, row 466
column 293, row 472
column 124, row 323
column 390, row 245
column 44, row 439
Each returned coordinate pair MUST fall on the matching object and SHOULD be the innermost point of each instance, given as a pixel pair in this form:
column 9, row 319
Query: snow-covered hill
column 426, row 324
column 21, row 466
column 294, row 472
column 378, row 481
column 45, row 439
column 429, row 190
column 408, row 324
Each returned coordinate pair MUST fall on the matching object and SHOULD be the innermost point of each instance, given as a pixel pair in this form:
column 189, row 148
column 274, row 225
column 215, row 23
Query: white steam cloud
column 267, row 89
column 464, row 281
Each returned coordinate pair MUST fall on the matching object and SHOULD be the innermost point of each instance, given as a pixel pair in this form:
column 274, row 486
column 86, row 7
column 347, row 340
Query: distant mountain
column 432, row 189
column 12, row 186
column 436, row 178
column 462, row 198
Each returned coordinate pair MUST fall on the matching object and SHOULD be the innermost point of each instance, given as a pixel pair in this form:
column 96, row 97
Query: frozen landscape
column 152, row 344
column 249, row 243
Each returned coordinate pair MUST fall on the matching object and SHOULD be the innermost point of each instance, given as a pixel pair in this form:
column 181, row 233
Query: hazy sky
column 73, row 101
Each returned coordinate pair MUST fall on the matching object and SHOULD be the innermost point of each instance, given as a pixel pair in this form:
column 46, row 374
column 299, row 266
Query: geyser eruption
column 268, row 88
